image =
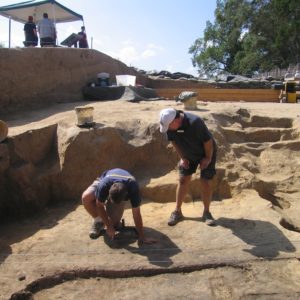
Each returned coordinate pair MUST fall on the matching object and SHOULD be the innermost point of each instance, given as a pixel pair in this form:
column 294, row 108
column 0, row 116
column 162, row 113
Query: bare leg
column 89, row 202
column 182, row 189
column 206, row 193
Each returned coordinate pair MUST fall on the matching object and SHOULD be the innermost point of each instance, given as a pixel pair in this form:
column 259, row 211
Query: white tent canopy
column 36, row 8
column 58, row 13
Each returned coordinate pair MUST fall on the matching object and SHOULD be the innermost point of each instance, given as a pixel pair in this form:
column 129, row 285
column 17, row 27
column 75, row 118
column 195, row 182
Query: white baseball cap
column 167, row 115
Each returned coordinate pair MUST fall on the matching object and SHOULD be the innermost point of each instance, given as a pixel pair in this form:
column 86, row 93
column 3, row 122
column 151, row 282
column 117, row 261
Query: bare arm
column 138, row 221
column 178, row 150
column 208, row 149
column 106, row 220
column 183, row 161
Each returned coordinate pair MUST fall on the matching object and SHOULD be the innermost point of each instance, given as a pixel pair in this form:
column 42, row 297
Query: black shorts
column 207, row 173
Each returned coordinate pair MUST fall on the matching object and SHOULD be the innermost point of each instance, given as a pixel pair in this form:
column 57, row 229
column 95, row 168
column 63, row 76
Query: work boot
column 175, row 217
column 96, row 229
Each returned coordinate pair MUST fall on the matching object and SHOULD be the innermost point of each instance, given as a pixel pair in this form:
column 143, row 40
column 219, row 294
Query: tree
column 249, row 36
column 216, row 51
column 275, row 25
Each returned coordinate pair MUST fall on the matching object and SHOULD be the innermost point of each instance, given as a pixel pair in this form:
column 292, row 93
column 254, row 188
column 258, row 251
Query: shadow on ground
column 267, row 240
column 16, row 232
column 159, row 253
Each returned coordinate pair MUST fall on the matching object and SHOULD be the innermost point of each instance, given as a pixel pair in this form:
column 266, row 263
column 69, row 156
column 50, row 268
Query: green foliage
column 249, row 36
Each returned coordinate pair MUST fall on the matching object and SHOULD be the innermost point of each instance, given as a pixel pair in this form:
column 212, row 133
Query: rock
column 21, row 276
column 189, row 99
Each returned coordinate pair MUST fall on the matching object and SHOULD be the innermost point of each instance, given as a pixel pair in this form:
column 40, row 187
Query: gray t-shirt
column 46, row 29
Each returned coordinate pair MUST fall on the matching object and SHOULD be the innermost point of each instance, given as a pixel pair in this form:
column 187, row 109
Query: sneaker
column 208, row 219
column 96, row 230
column 175, row 217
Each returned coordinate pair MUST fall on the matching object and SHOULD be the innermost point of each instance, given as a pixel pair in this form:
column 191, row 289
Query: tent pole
column 9, row 31
column 54, row 16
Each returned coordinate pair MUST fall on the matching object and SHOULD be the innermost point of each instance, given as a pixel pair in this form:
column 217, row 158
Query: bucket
column 290, row 89
column 3, row 131
column 103, row 79
column 84, row 115
column 125, row 80
column 190, row 103
column 297, row 75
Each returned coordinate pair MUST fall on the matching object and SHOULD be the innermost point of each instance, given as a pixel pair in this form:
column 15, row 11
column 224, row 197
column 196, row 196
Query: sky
column 149, row 35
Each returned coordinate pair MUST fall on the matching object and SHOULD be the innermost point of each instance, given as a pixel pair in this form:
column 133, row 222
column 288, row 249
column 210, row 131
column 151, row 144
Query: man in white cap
column 195, row 146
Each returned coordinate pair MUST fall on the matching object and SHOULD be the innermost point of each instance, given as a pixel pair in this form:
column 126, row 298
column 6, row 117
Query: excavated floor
column 247, row 255
column 252, row 253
